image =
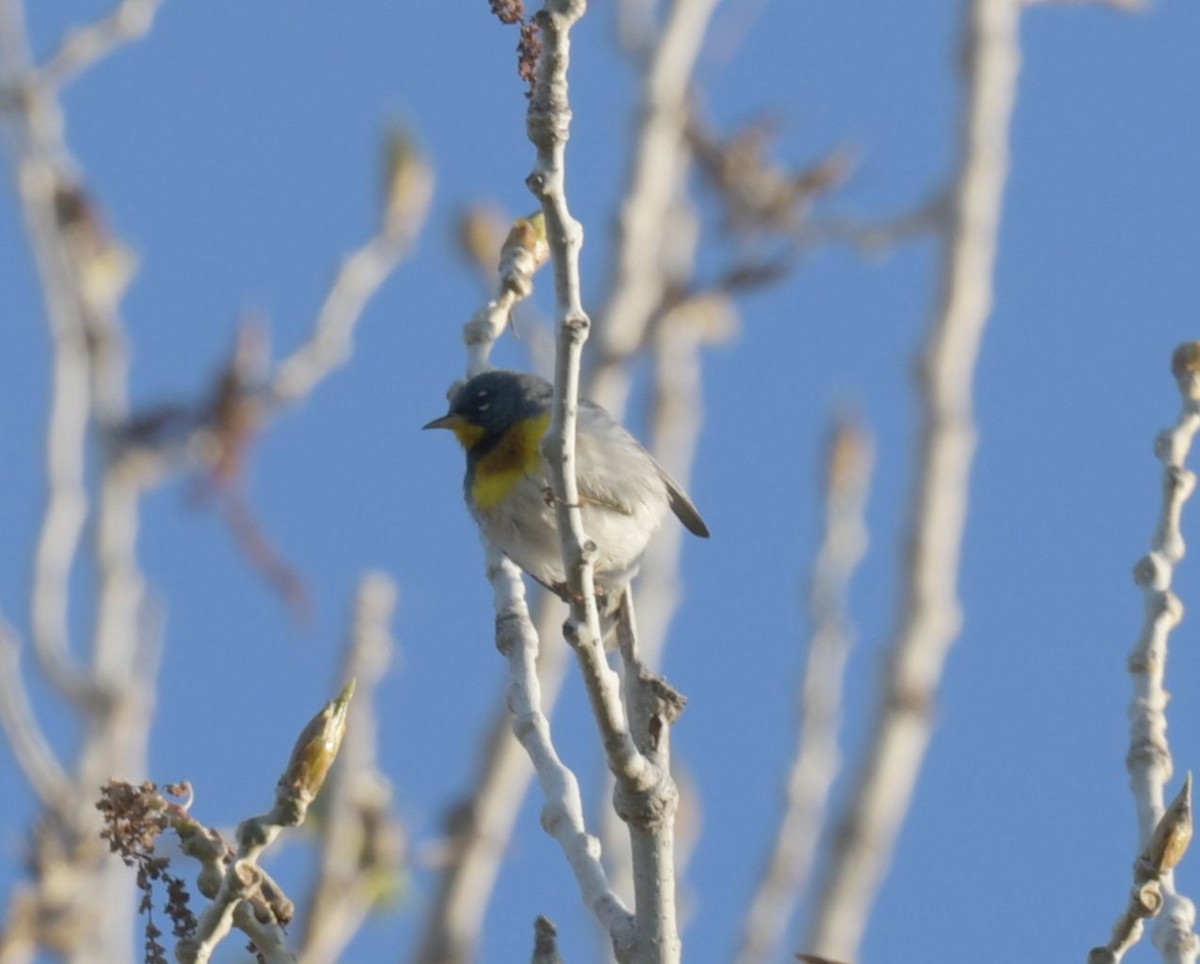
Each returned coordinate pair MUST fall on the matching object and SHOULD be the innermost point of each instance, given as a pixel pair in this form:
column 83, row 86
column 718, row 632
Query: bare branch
column 84, row 47
column 659, row 167
column 562, row 810
column 243, row 881
column 499, row 786
column 1149, row 759
column 549, row 119
column 848, row 464
column 408, row 190
column 545, row 944
column 481, row 824
column 929, row 621
column 361, row 846
column 647, row 797
column 33, row 752
column 1159, row 856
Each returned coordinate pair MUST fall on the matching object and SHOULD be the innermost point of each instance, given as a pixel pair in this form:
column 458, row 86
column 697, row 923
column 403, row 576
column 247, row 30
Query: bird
column 500, row 417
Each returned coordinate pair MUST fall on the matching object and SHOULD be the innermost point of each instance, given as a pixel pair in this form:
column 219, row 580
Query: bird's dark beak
column 449, row 420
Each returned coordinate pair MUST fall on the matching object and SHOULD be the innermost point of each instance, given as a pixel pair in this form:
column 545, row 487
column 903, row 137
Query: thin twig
column 32, row 750
column 549, row 120
column 1149, row 759
column 409, row 191
column 1158, row 858
column 930, row 617
column 485, row 820
column 545, row 943
column 481, row 825
column 84, row 47
column 360, row 846
column 676, row 415
column 645, row 245
column 562, row 809
column 451, row 929
column 817, row 762
column 242, row 879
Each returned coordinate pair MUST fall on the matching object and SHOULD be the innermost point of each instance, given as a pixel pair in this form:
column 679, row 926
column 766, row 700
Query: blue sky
column 236, row 151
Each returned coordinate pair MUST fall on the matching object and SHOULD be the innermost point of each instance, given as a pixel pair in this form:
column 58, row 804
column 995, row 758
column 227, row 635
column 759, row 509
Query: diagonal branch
column 637, row 745
column 409, row 189
column 817, row 761
column 33, row 752
column 84, row 47
column 930, row 617
column 645, row 242
column 361, row 846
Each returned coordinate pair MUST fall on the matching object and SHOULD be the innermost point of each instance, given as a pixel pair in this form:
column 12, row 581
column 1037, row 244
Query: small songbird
column 500, row 417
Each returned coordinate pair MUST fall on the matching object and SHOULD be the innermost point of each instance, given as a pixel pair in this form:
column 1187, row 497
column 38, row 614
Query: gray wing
column 610, row 489
column 684, row 508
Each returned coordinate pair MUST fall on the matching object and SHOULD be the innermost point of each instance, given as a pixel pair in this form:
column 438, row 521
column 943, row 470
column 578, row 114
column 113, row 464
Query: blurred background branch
column 930, row 615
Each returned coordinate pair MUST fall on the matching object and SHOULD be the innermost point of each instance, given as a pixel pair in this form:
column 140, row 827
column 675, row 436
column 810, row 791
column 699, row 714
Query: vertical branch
column 452, row 926
column 562, row 811
column 549, row 121
column 360, row 844
column 1149, row 760
column 649, row 812
column 676, row 415
column 847, row 477
column 449, row 934
column 930, row 617
column 644, row 228
column 38, row 163
column 482, row 823
column 83, row 274
column 638, row 745
column 30, row 747
column 499, row 785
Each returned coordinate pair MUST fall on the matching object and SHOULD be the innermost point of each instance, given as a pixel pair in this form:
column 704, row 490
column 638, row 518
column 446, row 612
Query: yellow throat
column 515, row 456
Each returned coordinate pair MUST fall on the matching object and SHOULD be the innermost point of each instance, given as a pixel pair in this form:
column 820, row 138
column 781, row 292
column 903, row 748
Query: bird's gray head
column 488, row 405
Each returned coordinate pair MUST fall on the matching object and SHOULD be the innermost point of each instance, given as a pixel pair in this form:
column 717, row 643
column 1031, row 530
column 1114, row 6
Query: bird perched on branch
column 499, row 418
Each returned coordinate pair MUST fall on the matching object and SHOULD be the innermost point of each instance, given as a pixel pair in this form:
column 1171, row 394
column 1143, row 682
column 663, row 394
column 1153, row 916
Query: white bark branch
column 359, row 845
column 817, row 762
column 483, row 822
column 549, row 121
column 83, row 273
column 562, row 810
column 32, row 750
column 930, row 618
column 659, row 167
column 245, row 896
column 1149, row 759
column 358, row 279
column 647, row 794
column 451, row 929
column 499, row 786
column 83, row 47
column 39, row 162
